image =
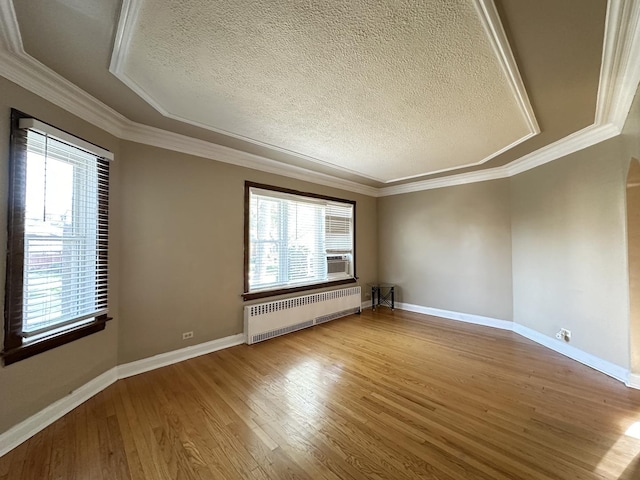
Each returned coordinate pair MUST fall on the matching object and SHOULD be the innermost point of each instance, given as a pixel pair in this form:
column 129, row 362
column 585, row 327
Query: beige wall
column 546, row 248
column 449, row 248
column 570, row 257
column 182, row 247
column 569, row 250
column 30, row 385
column 633, row 235
column 631, row 138
column 178, row 221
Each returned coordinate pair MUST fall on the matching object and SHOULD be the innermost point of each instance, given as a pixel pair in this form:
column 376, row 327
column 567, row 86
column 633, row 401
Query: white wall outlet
column 187, row 335
column 564, row 334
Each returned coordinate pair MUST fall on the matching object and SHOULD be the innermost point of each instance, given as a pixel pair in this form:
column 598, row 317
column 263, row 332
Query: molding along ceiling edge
column 20, row 68
column 488, row 16
column 619, row 78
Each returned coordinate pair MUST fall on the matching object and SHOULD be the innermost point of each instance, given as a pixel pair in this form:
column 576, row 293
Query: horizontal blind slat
column 290, row 236
column 66, row 233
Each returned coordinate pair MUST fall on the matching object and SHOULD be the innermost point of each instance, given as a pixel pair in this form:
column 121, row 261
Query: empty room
column 360, row 239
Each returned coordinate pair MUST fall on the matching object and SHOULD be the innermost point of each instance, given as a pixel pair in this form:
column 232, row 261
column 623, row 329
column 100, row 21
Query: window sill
column 302, row 288
column 42, row 345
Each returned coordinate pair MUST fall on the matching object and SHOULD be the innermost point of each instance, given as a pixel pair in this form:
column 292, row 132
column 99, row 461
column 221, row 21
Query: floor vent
column 271, row 319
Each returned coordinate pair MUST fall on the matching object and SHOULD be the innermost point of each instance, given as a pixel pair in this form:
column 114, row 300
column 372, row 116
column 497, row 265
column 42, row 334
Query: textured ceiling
column 388, row 90
column 557, row 46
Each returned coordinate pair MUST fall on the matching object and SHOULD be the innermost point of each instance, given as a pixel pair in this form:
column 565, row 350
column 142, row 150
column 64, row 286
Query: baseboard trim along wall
column 175, row 356
column 45, row 417
column 608, row 368
column 633, row 380
column 461, row 317
column 32, row 425
column 611, row 369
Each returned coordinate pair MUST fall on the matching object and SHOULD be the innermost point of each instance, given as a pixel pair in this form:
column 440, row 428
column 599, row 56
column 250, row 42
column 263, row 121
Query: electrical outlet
column 564, row 334
column 187, row 335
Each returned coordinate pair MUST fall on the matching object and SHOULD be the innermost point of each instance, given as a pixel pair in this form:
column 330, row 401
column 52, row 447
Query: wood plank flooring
column 383, row 395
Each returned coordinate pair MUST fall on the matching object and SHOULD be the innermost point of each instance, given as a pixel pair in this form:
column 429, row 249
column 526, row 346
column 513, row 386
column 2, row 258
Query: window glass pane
column 292, row 237
column 60, row 242
column 305, row 246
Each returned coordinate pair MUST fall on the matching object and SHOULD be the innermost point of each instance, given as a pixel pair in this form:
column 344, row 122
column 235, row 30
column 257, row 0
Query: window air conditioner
column 338, row 265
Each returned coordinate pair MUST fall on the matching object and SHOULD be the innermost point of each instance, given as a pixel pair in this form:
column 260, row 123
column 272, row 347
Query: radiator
column 271, row 319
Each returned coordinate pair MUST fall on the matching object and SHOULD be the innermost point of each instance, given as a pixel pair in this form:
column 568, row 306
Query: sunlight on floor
column 623, row 452
column 301, row 395
column 633, row 431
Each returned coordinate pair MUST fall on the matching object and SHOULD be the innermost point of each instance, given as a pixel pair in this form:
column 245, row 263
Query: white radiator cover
column 271, row 319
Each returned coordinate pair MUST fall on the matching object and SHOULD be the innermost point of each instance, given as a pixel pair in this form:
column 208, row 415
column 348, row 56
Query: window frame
column 16, row 346
column 247, row 295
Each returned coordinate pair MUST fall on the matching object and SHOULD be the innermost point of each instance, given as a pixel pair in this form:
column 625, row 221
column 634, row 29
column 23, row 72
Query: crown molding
column 156, row 137
column 620, row 75
column 10, row 38
column 128, row 17
column 32, row 75
column 126, row 24
column 448, row 181
column 620, row 68
column 619, row 79
column 489, row 19
column 453, row 169
column 579, row 140
column 22, row 69
column 502, row 49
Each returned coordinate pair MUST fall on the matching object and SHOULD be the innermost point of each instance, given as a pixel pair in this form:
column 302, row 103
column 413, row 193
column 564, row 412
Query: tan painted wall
column 182, row 247
column 32, row 384
column 631, row 138
column 179, row 222
column 449, row 248
column 570, row 253
column 176, row 257
column 569, row 250
column 633, row 235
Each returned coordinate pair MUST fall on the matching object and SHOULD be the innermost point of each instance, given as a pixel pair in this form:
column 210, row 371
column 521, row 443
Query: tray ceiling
column 579, row 75
column 385, row 90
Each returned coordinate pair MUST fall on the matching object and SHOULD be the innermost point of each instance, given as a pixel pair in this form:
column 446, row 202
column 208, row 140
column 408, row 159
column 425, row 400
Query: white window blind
column 65, row 238
column 290, row 237
column 339, row 228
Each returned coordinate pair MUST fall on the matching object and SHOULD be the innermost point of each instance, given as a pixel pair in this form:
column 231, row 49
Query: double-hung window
column 295, row 241
column 57, row 249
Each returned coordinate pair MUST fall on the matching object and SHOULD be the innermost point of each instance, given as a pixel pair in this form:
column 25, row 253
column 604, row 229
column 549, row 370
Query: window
column 56, row 286
column 295, row 241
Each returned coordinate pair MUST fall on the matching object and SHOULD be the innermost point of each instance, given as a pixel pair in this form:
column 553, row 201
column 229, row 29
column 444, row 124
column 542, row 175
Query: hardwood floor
column 384, row 395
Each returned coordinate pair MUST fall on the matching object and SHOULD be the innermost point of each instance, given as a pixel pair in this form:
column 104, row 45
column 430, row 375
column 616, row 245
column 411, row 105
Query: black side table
column 382, row 294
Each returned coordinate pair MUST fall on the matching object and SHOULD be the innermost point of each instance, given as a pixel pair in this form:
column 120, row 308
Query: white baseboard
column 633, row 380
column 461, row 317
column 175, row 356
column 604, row 366
column 45, row 417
